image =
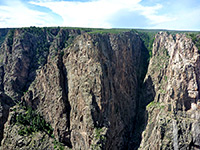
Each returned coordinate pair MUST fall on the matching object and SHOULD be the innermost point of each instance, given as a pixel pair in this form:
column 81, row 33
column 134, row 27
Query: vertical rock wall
column 89, row 88
column 102, row 79
column 84, row 85
column 173, row 73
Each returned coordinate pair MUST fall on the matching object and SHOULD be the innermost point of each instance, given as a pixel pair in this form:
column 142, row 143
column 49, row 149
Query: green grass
column 105, row 31
column 165, row 77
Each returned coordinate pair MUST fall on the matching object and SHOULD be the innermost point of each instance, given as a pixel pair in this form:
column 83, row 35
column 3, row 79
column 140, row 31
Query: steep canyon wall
column 85, row 90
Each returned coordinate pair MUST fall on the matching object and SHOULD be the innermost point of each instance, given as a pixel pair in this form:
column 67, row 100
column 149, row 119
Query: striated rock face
column 86, row 96
column 26, row 50
column 3, row 33
column 84, row 86
column 48, row 94
column 77, row 90
column 174, row 69
column 102, row 87
column 18, row 51
column 173, row 73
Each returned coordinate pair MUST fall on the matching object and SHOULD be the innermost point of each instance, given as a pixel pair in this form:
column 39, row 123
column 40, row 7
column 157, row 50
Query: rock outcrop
column 173, row 86
column 84, row 85
column 102, row 87
column 3, row 33
column 15, row 141
column 86, row 95
column 26, row 50
column 75, row 89
column 5, row 103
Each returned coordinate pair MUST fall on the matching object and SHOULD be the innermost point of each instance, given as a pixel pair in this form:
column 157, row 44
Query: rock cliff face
column 84, row 85
column 172, row 82
column 86, row 95
column 86, row 91
column 102, row 88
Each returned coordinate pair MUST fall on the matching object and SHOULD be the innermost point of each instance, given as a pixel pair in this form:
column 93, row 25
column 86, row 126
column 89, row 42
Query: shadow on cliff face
column 148, row 92
column 145, row 95
column 126, row 95
column 5, row 103
column 96, row 114
column 45, row 104
column 64, row 84
column 23, row 52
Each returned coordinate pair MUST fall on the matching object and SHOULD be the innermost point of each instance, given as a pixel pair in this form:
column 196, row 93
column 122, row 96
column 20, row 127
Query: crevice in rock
column 5, row 104
column 145, row 94
column 64, row 85
column 1, row 78
column 4, row 111
column 95, row 112
column 38, row 55
column 25, row 51
column 193, row 146
column 10, row 37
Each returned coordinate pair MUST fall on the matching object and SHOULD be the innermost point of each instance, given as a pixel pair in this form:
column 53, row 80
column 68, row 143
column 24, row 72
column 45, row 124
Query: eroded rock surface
column 173, row 73
column 5, row 104
column 89, row 88
column 84, row 85
column 86, row 95
column 102, row 83
column 14, row 141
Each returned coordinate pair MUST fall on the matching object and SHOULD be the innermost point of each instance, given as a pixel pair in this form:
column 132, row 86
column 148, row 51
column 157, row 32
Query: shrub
column 32, row 122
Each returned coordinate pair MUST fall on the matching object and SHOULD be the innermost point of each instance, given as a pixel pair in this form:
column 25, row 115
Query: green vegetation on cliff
column 10, row 37
column 3, row 33
column 93, row 96
column 99, row 138
column 32, row 122
column 195, row 39
column 148, row 39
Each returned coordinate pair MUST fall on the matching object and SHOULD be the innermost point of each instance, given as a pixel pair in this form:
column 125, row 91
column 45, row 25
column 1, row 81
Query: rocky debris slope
column 172, row 83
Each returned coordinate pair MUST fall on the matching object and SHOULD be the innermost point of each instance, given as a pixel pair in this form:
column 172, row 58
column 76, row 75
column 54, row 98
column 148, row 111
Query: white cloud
column 98, row 13
column 17, row 14
column 186, row 18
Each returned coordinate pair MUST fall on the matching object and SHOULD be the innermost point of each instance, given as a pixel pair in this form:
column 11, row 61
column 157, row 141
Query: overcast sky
column 150, row 14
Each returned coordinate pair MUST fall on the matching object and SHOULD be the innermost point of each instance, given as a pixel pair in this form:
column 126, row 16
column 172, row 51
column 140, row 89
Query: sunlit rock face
column 173, row 116
column 84, row 85
column 98, row 90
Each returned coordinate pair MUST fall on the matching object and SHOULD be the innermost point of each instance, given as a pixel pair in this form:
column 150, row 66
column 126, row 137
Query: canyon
column 69, row 88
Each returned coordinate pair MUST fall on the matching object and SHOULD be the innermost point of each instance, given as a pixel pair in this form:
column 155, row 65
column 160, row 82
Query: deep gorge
column 104, row 89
